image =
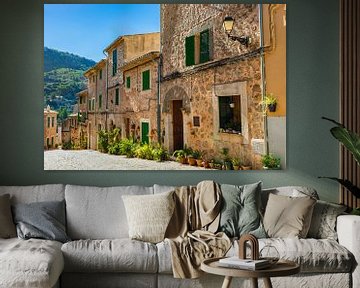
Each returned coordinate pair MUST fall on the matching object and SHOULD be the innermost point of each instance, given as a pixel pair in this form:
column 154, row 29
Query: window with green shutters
column 117, row 96
column 190, row 50
column 89, row 104
column 100, row 74
column 93, row 104
column 197, row 48
column 114, row 58
column 100, row 101
column 48, row 122
column 128, row 83
column 204, row 46
column 146, row 80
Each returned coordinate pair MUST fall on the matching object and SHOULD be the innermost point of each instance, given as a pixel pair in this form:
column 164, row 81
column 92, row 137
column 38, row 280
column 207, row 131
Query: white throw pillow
column 149, row 215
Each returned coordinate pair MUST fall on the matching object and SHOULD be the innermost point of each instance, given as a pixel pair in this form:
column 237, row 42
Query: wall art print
column 164, row 86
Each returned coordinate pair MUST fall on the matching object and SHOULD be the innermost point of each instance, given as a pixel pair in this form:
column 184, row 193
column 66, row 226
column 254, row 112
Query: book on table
column 236, row 262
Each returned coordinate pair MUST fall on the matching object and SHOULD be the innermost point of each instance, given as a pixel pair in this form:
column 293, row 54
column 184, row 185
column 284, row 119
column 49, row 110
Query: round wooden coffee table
column 281, row 268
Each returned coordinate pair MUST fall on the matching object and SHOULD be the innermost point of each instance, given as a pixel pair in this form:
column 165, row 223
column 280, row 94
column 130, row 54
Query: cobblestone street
column 94, row 160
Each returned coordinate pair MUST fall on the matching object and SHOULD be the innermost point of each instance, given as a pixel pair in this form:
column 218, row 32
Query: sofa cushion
column 323, row 222
column 43, row 220
column 117, row 255
column 287, row 216
column 30, row 263
column 313, row 255
column 7, row 226
column 149, row 215
column 36, row 193
column 291, row 191
column 98, row 213
column 240, row 212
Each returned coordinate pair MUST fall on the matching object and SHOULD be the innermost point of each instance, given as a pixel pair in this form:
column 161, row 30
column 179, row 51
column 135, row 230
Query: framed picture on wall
column 164, row 86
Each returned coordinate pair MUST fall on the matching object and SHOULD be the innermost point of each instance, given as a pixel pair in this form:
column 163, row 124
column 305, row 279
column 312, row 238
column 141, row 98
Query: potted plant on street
column 227, row 165
column 180, row 156
column 270, row 161
column 197, row 154
column 236, row 162
column 269, row 103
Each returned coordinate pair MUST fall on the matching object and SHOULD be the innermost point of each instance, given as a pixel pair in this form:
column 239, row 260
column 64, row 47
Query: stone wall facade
column 201, row 86
column 50, row 129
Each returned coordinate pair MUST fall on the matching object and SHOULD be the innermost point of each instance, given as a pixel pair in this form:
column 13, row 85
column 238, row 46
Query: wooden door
column 178, row 126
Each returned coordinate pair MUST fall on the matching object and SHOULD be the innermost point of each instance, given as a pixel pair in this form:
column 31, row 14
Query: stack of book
column 248, row 264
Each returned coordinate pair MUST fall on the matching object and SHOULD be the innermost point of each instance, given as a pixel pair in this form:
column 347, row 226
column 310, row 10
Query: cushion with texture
column 323, row 222
column 7, row 226
column 149, row 215
column 43, row 220
column 31, row 263
column 98, row 212
column 110, row 255
column 287, row 217
column 240, row 213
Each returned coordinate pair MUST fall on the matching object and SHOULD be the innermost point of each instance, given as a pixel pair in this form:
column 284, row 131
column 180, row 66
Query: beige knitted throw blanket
column 191, row 231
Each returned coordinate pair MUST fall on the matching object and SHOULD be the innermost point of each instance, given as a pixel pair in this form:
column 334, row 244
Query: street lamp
column 228, row 25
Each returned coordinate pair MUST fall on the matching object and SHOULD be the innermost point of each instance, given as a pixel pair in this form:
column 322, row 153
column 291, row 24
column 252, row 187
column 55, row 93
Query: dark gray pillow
column 44, row 220
column 240, row 213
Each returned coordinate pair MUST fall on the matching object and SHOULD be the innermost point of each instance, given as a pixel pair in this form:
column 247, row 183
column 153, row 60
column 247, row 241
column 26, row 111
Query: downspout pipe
column 158, row 110
column 263, row 75
column 106, row 88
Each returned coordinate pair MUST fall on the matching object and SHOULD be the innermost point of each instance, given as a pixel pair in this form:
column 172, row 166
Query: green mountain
column 63, row 78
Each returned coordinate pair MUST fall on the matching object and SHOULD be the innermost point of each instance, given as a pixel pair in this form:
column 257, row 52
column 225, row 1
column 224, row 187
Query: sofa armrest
column 348, row 230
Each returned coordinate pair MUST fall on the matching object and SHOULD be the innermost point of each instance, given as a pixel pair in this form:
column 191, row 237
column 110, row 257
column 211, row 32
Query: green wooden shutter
column 128, row 83
column 114, row 68
column 204, row 46
column 100, row 101
column 190, row 50
column 117, row 96
column 146, row 80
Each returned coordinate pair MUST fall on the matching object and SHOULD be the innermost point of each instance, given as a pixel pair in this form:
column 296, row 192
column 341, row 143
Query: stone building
column 132, row 84
column 122, row 89
column 212, row 86
column 94, row 102
column 50, row 128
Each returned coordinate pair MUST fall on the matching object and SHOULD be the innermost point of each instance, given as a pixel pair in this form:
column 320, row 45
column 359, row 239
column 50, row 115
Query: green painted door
column 144, row 132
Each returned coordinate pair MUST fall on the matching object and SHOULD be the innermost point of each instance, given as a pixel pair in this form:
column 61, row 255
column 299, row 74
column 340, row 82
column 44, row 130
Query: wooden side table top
column 281, row 268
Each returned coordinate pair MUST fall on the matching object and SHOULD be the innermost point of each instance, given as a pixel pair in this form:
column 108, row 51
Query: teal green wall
column 312, row 91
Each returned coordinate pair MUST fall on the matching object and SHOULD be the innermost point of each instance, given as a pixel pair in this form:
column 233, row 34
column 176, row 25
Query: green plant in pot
column 269, row 102
column 227, row 165
column 351, row 141
column 236, row 162
column 180, row 156
column 270, row 161
column 197, row 154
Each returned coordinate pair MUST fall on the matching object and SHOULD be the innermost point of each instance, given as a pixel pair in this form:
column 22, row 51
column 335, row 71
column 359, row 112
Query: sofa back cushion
column 290, row 191
column 36, row 193
column 98, row 213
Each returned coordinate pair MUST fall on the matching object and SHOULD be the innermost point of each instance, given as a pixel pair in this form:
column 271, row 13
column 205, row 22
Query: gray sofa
column 101, row 255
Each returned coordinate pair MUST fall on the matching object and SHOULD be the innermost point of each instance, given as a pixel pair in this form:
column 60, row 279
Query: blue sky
column 86, row 29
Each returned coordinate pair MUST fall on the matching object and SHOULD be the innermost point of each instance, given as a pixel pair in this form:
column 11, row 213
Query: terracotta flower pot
column 191, row 161
column 199, row 162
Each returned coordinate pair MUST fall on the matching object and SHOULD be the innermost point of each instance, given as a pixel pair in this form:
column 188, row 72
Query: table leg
column 254, row 282
column 227, row 282
column 267, row 283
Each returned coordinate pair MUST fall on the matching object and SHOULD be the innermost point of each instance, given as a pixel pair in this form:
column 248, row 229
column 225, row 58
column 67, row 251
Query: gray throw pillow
column 7, row 226
column 240, row 213
column 43, row 220
column 323, row 222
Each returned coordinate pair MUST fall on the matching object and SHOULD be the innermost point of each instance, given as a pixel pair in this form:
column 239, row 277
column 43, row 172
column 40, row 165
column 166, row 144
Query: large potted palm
column 351, row 141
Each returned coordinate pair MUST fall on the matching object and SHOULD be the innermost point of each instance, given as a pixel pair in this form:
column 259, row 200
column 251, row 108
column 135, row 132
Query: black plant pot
column 272, row 107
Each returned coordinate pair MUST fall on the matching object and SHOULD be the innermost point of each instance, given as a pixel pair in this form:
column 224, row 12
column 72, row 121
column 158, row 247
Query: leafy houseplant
column 236, row 162
column 351, row 141
column 269, row 102
column 180, row 156
column 270, row 161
